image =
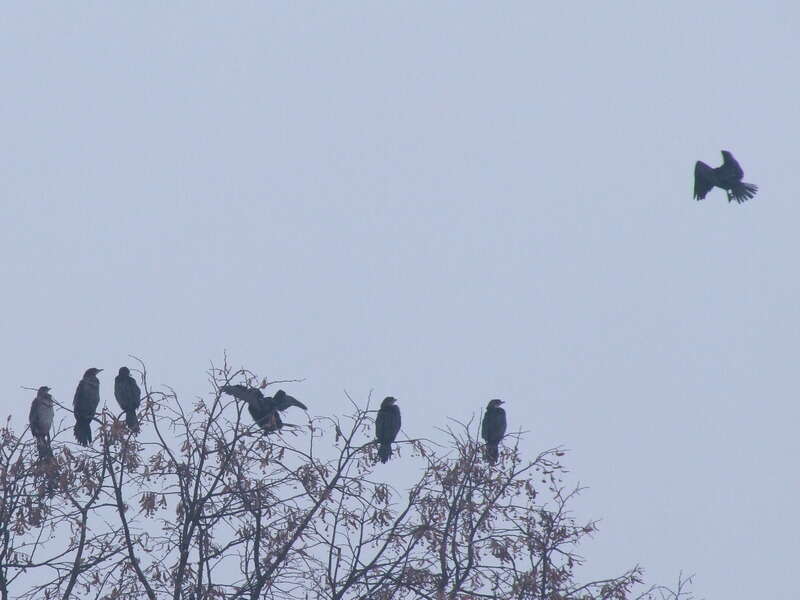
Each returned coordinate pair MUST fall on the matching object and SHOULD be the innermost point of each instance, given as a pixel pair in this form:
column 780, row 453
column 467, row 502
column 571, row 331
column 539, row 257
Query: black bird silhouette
column 387, row 424
column 84, row 404
column 41, row 420
column 493, row 429
column 263, row 409
column 129, row 396
column 728, row 177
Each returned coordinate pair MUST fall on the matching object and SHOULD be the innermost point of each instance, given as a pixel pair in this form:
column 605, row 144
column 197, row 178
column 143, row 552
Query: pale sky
column 444, row 202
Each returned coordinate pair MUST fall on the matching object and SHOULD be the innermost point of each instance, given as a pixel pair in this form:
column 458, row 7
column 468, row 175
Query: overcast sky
column 446, row 202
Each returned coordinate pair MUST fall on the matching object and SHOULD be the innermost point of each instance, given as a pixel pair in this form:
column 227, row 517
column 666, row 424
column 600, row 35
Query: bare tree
column 203, row 504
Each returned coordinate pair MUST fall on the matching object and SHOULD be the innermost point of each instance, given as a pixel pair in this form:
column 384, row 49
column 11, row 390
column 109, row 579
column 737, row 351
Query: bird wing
column 380, row 425
column 387, row 424
column 731, row 167
column 243, row 392
column 486, row 425
column 127, row 392
column 33, row 418
column 282, row 401
column 85, row 401
column 493, row 427
column 501, row 422
column 704, row 179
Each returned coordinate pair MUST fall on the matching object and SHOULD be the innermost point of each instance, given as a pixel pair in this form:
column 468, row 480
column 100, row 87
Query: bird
column 263, row 409
column 129, row 396
column 493, row 429
column 84, row 404
column 41, row 420
column 387, row 424
column 728, row 176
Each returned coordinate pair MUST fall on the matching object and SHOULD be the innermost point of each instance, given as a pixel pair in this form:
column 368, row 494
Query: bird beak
column 98, row 370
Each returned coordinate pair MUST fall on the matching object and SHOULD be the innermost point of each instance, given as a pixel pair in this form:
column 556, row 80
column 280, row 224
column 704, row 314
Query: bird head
column 726, row 156
column 44, row 389
column 388, row 401
column 495, row 403
column 124, row 371
column 92, row 372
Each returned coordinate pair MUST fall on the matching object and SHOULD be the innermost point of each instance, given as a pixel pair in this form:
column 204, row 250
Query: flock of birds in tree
column 84, row 408
column 264, row 410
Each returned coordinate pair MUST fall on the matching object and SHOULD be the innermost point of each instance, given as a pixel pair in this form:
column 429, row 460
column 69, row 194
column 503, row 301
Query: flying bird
column 493, row 429
column 387, row 424
column 264, row 409
column 41, row 420
column 84, row 404
column 129, row 396
column 728, row 177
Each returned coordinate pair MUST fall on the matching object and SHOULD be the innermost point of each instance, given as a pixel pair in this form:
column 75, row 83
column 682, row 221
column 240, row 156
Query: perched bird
column 728, row 177
column 263, row 409
column 129, row 396
column 84, row 404
column 41, row 420
column 387, row 424
column 493, row 429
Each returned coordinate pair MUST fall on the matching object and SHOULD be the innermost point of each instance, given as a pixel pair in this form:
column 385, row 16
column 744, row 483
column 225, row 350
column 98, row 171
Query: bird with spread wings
column 264, row 409
column 728, row 176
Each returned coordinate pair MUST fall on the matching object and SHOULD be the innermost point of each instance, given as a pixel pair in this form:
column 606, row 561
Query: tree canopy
column 202, row 503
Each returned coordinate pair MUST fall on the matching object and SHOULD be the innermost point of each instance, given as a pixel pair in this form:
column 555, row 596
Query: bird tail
column 131, row 420
column 44, row 449
column 384, row 452
column 742, row 191
column 83, row 432
column 46, row 466
column 492, row 453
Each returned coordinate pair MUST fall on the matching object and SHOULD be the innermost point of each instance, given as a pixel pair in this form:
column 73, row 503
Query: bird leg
column 271, row 422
